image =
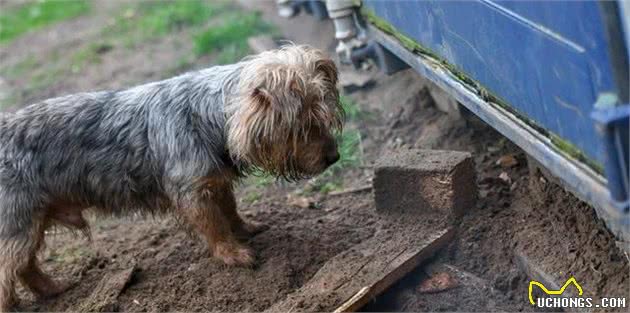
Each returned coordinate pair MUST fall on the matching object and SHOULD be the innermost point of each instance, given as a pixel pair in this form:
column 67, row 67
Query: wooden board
column 105, row 294
column 350, row 279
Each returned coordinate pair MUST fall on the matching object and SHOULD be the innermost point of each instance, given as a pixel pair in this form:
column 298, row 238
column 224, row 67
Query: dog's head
column 287, row 113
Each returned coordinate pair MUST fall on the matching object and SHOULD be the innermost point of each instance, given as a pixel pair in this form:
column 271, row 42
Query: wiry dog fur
column 174, row 145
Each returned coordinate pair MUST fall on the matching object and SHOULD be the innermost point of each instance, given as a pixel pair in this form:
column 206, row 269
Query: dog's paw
column 61, row 287
column 254, row 228
column 250, row 229
column 234, row 254
column 54, row 289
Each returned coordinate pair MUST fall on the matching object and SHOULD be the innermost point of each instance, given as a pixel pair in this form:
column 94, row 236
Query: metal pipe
column 287, row 8
column 347, row 31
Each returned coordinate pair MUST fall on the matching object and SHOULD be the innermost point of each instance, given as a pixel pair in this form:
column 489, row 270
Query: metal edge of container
column 577, row 178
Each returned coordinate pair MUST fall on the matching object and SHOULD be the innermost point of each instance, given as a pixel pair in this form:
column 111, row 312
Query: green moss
column 410, row 44
column 572, row 151
column 415, row 47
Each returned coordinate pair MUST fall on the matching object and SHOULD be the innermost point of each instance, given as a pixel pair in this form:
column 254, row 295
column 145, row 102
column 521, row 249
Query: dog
column 173, row 146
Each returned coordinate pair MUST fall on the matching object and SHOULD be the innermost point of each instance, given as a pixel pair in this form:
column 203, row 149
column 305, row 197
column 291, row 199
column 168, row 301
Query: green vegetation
column 90, row 54
column 252, row 197
column 40, row 76
column 350, row 139
column 221, row 29
column 572, row 151
column 215, row 28
column 352, row 110
column 229, row 37
column 152, row 19
column 27, row 64
column 21, row 19
column 261, row 179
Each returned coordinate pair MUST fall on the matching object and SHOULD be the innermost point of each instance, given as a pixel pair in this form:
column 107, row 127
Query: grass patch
column 24, row 18
column 229, row 38
column 7, row 100
column 252, row 197
column 261, row 179
column 27, row 64
column 151, row 19
column 353, row 112
column 350, row 139
column 90, row 54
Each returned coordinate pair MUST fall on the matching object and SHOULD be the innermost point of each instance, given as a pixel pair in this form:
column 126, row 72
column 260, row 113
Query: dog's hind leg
column 17, row 244
column 31, row 274
column 39, row 283
column 21, row 236
column 8, row 277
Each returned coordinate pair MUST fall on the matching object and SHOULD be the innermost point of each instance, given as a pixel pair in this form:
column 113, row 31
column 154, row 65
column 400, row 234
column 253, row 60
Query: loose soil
column 175, row 273
column 167, row 269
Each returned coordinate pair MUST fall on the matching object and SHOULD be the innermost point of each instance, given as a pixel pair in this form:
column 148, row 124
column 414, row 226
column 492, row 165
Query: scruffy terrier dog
column 176, row 145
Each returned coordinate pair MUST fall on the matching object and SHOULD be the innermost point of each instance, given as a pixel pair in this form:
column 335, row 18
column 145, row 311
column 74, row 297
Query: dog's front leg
column 205, row 214
column 242, row 229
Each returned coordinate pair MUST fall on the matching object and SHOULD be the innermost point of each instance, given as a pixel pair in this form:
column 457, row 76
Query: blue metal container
column 550, row 75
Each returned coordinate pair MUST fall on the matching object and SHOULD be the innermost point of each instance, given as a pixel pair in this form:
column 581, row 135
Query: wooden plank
column 105, row 294
column 350, row 279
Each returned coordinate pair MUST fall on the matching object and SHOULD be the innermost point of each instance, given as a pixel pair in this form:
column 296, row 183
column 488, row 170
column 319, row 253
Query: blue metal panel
column 547, row 59
column 577, row 178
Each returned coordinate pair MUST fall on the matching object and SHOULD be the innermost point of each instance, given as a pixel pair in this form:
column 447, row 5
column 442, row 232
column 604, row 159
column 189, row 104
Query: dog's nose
column 331, row 158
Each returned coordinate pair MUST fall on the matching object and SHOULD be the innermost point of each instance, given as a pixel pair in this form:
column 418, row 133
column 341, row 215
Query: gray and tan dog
column 176, row 145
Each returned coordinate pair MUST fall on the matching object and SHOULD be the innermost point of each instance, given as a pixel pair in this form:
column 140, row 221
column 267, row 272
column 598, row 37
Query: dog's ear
column 297, row 86
column 328, row 67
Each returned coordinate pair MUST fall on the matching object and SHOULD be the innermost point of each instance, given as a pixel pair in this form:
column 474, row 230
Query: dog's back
column 111, row 149
column 81, row 149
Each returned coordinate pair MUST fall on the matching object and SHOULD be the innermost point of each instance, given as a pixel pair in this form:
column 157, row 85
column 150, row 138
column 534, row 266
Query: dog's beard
column 275, row 158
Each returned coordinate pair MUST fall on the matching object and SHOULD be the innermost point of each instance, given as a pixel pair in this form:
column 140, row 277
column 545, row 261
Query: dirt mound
column 584, row 248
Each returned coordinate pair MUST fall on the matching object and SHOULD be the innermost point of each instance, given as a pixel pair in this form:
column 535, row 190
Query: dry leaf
column 437, row 283
column 507, row 161
column 505, row 177
column 301, row 202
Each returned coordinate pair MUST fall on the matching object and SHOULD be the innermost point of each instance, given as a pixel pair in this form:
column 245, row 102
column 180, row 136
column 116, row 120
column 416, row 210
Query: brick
column 425, row 181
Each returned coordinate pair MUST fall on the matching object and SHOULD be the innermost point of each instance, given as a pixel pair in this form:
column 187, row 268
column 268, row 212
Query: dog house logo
column 559, row 292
